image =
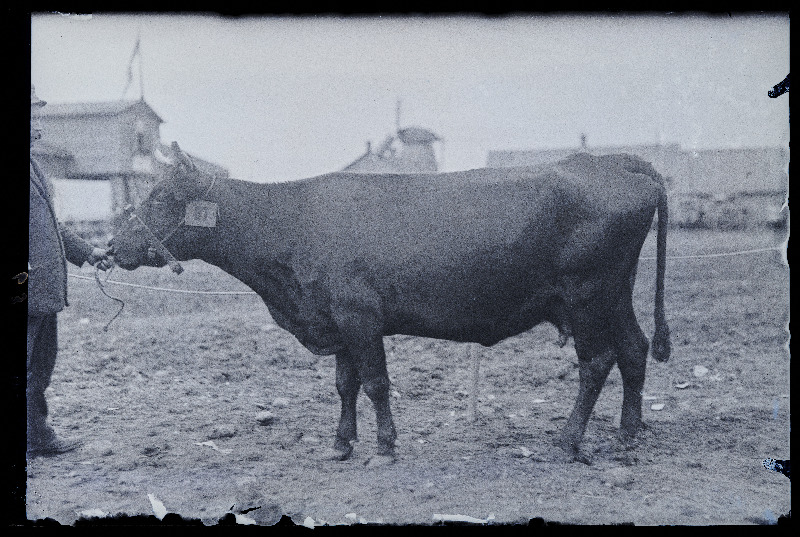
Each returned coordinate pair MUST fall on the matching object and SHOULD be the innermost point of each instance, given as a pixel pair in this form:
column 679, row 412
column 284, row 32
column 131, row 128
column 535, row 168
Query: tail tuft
column 661, row 348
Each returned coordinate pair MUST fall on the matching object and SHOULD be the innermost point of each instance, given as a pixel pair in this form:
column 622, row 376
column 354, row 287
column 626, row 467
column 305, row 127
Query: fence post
column 475, row 359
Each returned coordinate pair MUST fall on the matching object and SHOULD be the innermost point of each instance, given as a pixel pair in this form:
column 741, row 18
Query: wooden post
column 141, row 70
column 475, row 358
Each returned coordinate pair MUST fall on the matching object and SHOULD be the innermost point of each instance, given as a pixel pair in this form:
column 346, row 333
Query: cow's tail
column 660, row 346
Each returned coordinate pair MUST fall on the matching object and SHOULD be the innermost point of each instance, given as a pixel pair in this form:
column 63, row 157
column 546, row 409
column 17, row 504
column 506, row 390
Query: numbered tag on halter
column 201, row 213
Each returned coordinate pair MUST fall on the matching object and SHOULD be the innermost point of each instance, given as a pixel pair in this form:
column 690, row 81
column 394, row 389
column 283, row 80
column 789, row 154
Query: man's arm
column 77, row 250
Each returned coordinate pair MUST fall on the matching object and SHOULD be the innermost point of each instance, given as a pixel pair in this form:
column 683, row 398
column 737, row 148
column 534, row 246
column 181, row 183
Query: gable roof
column 415, row 154
column 100, row 135
column 417, row 135
column 50, row 150
column 371, row 162
column 108, row 108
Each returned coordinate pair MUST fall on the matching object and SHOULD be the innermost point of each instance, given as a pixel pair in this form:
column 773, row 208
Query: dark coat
column 344, row 259
column 50, row 246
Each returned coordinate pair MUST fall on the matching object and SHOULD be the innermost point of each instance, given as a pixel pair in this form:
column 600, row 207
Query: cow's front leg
column 347, row 384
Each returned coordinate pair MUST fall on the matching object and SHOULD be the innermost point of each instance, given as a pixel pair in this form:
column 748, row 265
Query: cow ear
column 186, row 174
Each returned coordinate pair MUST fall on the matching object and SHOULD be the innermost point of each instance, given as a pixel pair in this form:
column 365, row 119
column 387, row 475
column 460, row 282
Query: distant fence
column 735, row 213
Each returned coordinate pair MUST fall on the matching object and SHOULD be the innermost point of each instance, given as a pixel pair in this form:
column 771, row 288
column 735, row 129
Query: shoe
column 56, row 446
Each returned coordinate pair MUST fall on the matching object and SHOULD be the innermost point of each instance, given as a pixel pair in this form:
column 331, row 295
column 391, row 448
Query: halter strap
column 183, row 220
column 174, row 264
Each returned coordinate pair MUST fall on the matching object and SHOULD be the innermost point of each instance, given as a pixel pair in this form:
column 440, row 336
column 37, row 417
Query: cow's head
column 155, row 234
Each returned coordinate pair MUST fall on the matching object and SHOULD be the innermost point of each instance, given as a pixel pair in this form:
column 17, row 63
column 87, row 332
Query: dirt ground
column 175, row 371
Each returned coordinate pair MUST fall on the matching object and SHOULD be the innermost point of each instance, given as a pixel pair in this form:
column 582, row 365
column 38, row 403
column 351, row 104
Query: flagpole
column 136, row 52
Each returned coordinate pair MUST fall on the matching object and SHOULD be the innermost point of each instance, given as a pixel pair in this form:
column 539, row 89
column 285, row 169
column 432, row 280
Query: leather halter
column 157, row 245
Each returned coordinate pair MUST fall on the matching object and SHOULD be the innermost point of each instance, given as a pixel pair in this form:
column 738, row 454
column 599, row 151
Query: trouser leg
column 42, row 352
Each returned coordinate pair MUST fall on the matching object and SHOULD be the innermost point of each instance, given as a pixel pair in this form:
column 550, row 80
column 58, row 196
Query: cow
column 343, row 259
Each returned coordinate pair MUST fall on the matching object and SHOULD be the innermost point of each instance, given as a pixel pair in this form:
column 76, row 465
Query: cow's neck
column 253, row 230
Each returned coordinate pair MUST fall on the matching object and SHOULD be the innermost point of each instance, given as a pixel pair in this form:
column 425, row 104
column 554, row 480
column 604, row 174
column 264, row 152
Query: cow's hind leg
column 348, row 384
column 632, row 362
column 597, row 353
column 593, row 373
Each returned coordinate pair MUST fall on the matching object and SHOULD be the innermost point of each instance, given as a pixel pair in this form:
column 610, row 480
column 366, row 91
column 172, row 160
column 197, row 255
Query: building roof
column 416, row 135
column 527, row 157
column 504, row 158
column 415, row 154
column 51, row 150
column 738, row 170
column 717, row 172
column 101, row 139
column 108, row 108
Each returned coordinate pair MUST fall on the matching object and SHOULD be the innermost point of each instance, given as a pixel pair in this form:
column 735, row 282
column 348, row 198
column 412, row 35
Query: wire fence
column 168, row 289
column 722, row 254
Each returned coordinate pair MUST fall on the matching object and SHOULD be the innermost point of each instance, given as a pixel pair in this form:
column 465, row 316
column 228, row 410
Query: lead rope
column 103, row 290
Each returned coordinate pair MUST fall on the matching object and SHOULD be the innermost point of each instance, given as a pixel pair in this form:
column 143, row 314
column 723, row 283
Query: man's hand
column 100, row 259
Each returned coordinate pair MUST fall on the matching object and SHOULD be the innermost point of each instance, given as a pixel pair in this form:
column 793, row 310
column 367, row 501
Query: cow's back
column 427, row 218
column 439, row 218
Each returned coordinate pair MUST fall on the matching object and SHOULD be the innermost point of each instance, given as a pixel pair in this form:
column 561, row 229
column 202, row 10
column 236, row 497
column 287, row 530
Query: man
column 50, row 245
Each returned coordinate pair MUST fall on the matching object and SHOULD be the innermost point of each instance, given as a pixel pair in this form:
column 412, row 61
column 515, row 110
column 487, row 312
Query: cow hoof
column 628, row 435
column 380, row 460
column 627, row 439
column 574, row 454
column 340, row 451
column 568, row 446
column 582, row 457
column 332, row 454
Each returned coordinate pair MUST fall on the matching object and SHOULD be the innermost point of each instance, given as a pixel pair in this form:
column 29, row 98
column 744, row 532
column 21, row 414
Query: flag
column 130, row 66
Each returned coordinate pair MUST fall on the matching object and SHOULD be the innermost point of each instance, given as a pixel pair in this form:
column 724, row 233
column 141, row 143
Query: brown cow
column 344, row 259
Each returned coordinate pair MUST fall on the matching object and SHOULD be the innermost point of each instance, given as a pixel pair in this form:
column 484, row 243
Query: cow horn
column 160, row 157
column 182, row 157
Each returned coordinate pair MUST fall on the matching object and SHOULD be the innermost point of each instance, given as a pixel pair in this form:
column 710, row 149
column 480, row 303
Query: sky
column 276, row 98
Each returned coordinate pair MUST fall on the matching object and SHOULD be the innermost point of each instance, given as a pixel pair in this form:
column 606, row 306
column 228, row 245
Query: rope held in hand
column 102, row 289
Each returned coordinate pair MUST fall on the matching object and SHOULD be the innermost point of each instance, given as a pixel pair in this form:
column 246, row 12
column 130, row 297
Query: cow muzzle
column 155, row 253
column 156, row 247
